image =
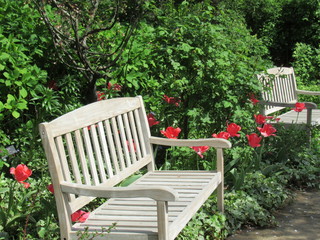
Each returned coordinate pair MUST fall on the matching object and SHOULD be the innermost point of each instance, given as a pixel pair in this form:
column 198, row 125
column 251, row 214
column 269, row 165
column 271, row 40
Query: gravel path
column 298, row 221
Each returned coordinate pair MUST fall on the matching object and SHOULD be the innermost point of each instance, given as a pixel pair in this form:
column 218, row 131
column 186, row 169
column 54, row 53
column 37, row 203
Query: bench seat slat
column 294, row 117
column 138, row 213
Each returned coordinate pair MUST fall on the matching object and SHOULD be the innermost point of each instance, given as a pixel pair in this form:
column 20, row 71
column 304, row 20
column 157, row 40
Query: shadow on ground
column 299, row 221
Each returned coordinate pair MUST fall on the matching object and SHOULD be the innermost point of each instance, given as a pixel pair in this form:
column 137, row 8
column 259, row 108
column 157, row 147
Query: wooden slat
column 301, row 118
column 116, row 235
column 91, row 160
column 140, row 134
column 64, row 163
column 97, row 153
column 130, row 141
column 135, row 135
column 73, row 158
column 105, row 150
column 82, row 157
column 92, row 113
column 112, row 149
column 130, row 212
column 115, row 133
column 124, row 140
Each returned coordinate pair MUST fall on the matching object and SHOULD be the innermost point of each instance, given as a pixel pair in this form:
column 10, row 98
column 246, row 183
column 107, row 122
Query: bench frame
column 94, row 148
column 280, row 92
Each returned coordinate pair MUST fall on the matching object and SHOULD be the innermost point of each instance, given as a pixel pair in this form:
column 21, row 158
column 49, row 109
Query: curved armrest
column 305, row 92
column 158, row 193
column 309, row 105
column 211, row 142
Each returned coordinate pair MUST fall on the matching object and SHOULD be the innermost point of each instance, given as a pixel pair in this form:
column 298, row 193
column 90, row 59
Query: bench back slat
column 96, row 146
column 82, row 157
column 279, row 86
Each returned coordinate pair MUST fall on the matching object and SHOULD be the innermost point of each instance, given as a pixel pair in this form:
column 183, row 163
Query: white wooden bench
column 281, row 92
column 92, row 149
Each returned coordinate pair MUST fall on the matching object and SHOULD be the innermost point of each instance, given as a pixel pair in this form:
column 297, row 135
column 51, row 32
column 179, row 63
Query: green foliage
column 274, row 24
column 303, row 170
column 207, row 224
column 18, row 18
column 306, row 64
column 18, row 77
column 27, row 213
column 307, row 67
column 212, row 74
column 268, row 192
column 287, row 145
column 243, row 209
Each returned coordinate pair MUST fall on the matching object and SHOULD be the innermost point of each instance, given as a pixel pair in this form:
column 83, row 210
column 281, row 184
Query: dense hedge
column 204, row 57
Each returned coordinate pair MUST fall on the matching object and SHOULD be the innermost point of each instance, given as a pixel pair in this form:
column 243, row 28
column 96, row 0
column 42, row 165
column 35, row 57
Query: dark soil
column 298, row 221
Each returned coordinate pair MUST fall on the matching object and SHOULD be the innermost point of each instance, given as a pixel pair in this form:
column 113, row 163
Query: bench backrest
column 98, row 144
column 279, row 85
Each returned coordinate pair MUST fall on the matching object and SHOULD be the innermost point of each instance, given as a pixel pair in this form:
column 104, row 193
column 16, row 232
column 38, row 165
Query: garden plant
column 194, row 62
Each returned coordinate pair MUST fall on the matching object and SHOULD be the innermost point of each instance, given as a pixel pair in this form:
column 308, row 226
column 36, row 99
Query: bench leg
column 162, row 209
column 220, row 197
column 220, row 188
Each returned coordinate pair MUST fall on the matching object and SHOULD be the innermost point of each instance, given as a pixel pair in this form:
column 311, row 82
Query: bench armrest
column 211, row 142
column 309, row 105
column 305, row 92
column 158, row 193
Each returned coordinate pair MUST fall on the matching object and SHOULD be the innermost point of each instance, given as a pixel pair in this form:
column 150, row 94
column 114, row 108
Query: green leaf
column 4, row 190
column 42, row 232
column 8, row 83
column 186, row 47
column 15, row 114
column 130, row 180
column 22, row 105
column 227, row 104
column 4, row 56
column 10, row 98
column 18, row 83
column 7, row 75
column 23, row 92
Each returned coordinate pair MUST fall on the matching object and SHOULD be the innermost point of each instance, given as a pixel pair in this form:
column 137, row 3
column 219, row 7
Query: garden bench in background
column 280, row 92
column 94, row 148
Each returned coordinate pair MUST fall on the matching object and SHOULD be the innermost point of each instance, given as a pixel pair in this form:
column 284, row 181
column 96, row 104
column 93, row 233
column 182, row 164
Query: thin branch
column 121, row 47
column 113, row 22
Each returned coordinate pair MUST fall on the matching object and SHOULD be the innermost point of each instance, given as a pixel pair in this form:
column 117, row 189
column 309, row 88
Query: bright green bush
column 303, row 170
column 243, row 209
column 204, row 57
column 307, row 67
column 207, row 224
column 274, row 24
column 269, row 193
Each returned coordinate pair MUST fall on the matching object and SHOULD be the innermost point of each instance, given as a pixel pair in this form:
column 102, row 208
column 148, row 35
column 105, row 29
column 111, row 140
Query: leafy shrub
column 303, row 170
column 212, row 75
column 244, row 210
column 290, row 140
column 273, row 23
column 207, row 224
column 307, row 67
column 28, row 211
column 269, row 193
